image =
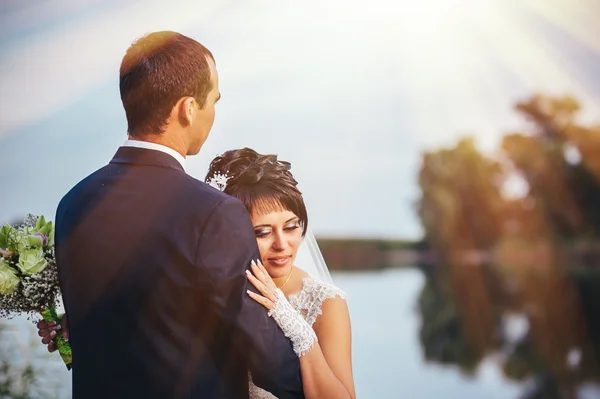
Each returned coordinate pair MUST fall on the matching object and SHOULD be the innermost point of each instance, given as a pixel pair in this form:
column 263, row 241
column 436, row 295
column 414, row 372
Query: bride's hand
column 263, row 283
column 287, row 318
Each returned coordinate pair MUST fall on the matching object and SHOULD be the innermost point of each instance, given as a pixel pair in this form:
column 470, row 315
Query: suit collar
column 155, row 146
column 145, row 157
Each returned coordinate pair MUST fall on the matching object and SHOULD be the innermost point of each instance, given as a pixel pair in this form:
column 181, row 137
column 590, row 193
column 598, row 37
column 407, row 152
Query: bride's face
column 278, row 235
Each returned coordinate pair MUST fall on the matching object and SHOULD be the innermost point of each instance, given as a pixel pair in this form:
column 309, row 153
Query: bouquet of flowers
column 28, row 274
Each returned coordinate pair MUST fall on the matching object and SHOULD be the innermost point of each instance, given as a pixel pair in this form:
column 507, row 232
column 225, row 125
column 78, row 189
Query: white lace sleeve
column 293, row 325
column 309, row 302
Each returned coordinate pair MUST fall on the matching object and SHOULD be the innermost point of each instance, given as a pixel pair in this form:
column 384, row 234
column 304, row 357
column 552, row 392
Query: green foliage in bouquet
column 28, row 274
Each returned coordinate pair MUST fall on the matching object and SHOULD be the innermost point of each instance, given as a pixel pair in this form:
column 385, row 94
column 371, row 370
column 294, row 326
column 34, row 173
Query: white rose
column 32, row 261
column 8, row 279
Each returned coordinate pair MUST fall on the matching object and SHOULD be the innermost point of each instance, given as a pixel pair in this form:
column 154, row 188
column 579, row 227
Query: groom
column 152, row 262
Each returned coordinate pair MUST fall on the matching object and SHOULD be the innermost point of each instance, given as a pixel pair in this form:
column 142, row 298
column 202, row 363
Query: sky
column 351, row 93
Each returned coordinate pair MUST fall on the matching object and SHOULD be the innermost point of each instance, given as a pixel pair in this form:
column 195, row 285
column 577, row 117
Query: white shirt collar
column 157, row 147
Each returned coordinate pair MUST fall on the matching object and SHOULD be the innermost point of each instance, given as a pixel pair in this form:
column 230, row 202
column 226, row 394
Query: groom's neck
column 163, row 139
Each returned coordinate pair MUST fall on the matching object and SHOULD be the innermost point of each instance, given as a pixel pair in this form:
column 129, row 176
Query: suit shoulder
column 80, row 185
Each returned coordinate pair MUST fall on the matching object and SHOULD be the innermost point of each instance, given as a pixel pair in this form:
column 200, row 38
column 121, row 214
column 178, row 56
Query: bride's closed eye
column 262, row 232
column 292, row 227
column 265, row 232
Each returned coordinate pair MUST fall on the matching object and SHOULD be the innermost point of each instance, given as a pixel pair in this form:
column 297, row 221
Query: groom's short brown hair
column 157, row 70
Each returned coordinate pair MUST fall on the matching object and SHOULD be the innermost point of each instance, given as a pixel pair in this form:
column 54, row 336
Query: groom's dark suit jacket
column 152, row 269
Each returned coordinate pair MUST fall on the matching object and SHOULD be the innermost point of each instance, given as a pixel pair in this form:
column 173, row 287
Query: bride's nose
column 279, row 241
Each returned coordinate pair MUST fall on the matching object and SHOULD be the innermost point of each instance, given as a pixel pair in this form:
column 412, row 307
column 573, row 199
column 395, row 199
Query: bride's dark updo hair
column 262, row 182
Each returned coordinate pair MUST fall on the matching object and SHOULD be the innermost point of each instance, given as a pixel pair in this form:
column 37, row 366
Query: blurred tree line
column 531, row 256
column 462, row 204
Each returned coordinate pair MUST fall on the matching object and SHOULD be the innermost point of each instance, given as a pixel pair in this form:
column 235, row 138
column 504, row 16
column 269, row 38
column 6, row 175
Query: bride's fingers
column 263, row 275
column 260, row 266
column 255, row 282
column 268, row 278
column 262, row 269
column 256, row 270
column 261, row 287
column 261, row 299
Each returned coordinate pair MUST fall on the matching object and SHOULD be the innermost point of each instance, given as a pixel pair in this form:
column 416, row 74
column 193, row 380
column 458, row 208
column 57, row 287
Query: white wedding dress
column 308, row 302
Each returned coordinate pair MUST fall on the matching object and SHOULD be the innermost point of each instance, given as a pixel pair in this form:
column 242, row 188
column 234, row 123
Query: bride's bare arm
column 327, row 368
column 325, row 362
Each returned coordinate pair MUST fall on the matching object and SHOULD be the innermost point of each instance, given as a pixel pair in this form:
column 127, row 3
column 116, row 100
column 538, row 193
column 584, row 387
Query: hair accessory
column 218, row 181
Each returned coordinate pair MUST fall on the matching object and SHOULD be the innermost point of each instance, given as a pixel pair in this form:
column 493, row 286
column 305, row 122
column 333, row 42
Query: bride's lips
column 279, row 260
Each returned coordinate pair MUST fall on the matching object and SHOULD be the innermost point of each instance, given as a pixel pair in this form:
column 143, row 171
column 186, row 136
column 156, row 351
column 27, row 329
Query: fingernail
column 53, row 334
column 58, row 327
column 248, row 292
column 248, row 272
column 253, row 263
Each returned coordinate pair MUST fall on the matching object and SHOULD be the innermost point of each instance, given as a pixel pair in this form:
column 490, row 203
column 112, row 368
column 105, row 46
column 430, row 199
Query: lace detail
column 258, row 393
column 308, row 302
column 293, row 325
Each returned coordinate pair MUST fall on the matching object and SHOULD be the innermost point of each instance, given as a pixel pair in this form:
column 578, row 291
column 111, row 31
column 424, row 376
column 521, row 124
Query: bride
column 309, row 309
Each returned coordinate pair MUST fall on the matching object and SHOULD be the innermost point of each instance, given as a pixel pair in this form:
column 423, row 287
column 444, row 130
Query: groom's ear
column 186, row 111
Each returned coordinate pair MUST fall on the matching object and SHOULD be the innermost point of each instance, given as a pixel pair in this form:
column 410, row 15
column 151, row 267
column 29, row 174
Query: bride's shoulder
column 321, row 290
column 316, row 296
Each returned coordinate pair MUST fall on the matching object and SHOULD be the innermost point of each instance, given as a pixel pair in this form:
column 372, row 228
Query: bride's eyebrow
column 268, row 225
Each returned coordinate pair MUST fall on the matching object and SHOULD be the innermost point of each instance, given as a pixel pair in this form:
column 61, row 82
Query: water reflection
column 537, row 319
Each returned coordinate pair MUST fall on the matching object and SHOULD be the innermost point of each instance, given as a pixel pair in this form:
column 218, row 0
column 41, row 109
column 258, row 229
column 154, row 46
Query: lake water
column 388, row 356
